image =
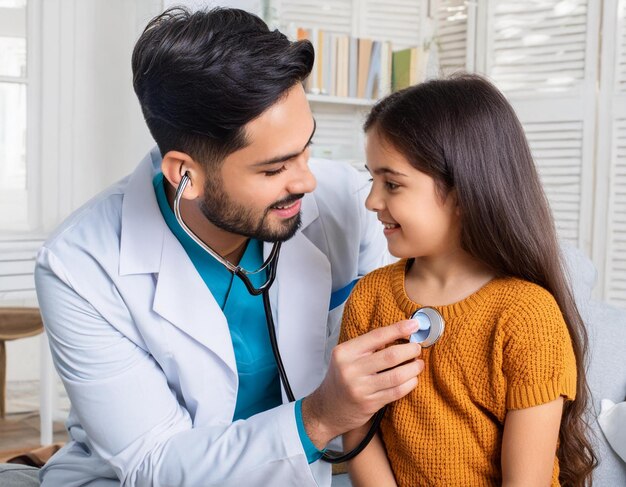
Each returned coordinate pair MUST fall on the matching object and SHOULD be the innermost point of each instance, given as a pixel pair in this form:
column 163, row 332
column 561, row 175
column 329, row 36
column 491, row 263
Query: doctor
column 164, row 354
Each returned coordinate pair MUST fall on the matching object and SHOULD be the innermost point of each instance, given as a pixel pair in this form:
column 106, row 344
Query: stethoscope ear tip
column 431, row 327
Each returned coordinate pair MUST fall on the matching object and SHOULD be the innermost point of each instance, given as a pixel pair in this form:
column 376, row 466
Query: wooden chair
column 15, row 323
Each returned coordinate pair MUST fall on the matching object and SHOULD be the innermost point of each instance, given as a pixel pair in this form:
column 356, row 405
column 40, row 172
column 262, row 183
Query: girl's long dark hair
column 462, row 132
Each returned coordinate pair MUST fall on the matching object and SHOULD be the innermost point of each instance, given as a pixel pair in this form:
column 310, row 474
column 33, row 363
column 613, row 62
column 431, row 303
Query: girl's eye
column 391, row 186
column 275, row 171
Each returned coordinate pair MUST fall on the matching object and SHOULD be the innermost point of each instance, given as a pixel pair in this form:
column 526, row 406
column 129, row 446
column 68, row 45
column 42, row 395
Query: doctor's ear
column 175, row 165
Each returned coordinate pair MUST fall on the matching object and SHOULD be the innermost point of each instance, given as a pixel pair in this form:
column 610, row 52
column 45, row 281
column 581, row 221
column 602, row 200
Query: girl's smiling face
column 419, row 221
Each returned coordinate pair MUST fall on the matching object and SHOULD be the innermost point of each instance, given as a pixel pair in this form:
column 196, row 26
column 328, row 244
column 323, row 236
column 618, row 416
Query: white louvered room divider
column 616, row 245
column 557, row 150
column 620, row 58
column 538, row 45
column 398, row 21
column 540, row 53
column 455, row 30
column 334, row 16
column 612, row 136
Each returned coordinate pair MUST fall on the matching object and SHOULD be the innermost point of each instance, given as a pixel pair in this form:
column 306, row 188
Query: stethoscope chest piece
column 431, row 327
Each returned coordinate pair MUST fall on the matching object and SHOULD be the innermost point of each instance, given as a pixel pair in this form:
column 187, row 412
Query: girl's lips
column 290, row 211
column 390, row 228
column 390, row 231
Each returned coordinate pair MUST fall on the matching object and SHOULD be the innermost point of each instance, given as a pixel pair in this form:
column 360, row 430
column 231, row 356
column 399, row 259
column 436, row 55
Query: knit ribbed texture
column 504, row 347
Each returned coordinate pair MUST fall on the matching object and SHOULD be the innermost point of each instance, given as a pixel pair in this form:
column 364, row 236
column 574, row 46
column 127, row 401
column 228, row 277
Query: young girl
column 502, row 395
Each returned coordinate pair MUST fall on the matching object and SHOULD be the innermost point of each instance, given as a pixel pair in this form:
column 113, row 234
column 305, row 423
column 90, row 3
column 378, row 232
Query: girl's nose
column 373, row 202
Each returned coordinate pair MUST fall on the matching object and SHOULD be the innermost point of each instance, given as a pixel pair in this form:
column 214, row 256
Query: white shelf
column 340, row 100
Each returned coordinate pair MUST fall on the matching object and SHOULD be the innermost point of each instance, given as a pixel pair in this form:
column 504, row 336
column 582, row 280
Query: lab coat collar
column 143, row 227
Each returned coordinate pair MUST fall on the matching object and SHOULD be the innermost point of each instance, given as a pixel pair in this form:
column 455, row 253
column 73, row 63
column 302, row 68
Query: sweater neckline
column 448, row 311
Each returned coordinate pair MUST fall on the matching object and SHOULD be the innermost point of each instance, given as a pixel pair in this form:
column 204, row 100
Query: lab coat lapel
column 183, row 299
column 300, row 298
column 149, row 247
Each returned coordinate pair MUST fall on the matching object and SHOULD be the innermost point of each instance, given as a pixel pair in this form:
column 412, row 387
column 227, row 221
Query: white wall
column 92, row 130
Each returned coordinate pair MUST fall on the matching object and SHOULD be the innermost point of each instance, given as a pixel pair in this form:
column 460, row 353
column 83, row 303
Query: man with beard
column 164, row 353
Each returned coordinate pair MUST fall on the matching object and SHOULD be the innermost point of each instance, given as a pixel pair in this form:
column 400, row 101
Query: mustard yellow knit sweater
column 504, row 347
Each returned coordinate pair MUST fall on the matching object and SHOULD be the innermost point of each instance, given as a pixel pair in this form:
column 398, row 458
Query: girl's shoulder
column 523, row 293
column 525, row 302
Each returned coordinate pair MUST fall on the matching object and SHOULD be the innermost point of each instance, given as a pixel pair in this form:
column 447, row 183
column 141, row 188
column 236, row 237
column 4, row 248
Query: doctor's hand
column 362, row 377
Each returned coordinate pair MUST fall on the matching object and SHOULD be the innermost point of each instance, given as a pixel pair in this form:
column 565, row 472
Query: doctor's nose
column 302, row 180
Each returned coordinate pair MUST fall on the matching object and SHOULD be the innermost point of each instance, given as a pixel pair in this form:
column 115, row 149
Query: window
column 16, row 89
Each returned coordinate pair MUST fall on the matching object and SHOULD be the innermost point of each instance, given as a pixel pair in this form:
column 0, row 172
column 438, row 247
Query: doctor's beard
column 228, row 215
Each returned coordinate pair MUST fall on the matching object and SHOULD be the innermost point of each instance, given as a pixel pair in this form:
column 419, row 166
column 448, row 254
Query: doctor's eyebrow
column 386, row 170
column 284, row 158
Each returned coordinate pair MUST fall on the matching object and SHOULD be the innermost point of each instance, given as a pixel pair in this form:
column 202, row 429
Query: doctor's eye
column 275, row 171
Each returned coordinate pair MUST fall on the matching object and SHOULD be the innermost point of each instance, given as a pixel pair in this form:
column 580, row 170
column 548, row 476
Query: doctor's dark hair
column 201, row 76
column 463, row 133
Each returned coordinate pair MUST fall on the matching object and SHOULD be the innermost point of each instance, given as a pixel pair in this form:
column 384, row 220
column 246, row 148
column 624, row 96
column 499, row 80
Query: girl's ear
column 455, row 201
column 175, row 165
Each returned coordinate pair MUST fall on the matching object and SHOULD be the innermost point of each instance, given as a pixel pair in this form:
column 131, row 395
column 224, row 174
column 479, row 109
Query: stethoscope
column 431, row 323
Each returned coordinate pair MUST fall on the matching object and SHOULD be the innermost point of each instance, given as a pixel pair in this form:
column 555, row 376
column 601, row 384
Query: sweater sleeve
column 538, row 358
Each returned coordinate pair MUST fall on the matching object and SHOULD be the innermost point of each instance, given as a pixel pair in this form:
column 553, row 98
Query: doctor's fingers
column 380, row 337
column 388, row 357
column 386, row 396
column 394, row 377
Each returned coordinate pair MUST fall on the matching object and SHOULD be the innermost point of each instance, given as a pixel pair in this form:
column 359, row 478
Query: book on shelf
column 409, row 67
column 386, row 57
column 352, row 65
column 311, row 84
column 319, row 73
column 364, row 68
column 343, row 65
column 326, row 66
column 334, row 63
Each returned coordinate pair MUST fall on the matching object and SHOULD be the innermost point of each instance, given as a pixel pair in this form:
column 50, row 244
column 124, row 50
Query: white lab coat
column 145, row 353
